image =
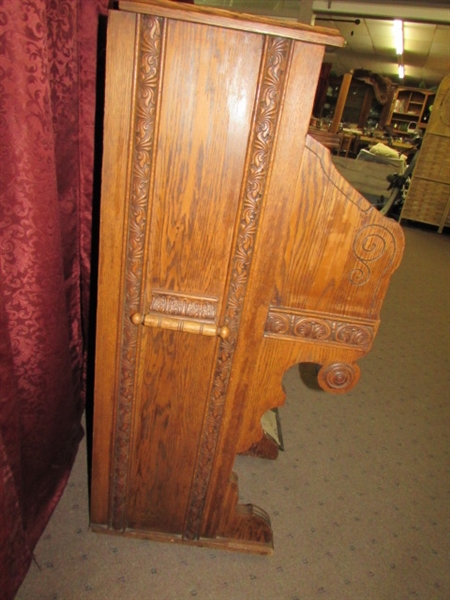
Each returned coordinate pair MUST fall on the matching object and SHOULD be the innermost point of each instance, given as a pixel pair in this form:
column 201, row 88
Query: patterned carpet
column 359, row 499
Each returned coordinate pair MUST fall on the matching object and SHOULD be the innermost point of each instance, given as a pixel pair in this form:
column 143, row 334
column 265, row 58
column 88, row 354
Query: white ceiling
column 370, row 44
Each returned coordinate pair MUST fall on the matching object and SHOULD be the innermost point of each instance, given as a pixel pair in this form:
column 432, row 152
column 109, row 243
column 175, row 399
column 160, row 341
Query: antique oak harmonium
column 230, row 250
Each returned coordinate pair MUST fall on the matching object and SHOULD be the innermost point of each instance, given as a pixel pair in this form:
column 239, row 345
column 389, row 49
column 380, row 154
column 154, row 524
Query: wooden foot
column 248, row 531
column 265, row 448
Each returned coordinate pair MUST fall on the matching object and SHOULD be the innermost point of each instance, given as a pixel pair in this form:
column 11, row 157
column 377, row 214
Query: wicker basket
column 428, row 198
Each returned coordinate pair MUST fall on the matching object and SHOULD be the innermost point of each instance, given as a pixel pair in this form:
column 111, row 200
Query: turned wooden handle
column 185, row 325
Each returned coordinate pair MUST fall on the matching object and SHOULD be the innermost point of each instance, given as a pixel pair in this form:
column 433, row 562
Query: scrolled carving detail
column 338, row 378
column 369, row 246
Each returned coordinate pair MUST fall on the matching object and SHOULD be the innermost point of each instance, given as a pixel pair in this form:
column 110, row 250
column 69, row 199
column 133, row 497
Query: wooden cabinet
column 428, row 197
column 410, row 109
column 231, row 249
column 360, row 109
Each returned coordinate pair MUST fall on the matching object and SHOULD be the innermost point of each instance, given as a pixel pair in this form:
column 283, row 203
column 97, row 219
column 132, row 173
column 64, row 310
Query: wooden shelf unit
column 410, row 109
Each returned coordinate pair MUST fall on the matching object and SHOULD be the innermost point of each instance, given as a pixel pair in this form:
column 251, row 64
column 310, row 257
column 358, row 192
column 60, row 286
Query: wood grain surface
column 231, row 249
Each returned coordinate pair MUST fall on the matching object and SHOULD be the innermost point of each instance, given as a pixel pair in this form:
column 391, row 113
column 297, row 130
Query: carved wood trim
column 338, row 378
column 149, row 33
column 370, row 245
column 184, row 305
column 268, row 101
column 317, row 327
column 373, row 243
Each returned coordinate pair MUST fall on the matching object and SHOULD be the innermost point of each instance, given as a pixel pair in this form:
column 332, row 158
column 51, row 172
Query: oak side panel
column 342, row 260
column 296, row 101
column 209, row 82
column 209, row 78
column 336, row 323
column 310, row 232
column 119, row 77
column 169, row 404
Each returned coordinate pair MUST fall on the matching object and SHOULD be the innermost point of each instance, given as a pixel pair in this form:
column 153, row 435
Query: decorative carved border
column 147, row 77
column 184, row 305
column 268, row 102
column 317, row 327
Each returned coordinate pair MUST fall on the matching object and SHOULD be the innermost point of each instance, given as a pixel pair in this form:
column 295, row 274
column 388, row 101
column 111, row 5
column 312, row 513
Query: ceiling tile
column 371, row 47
column 442, row 34
column 417, row 48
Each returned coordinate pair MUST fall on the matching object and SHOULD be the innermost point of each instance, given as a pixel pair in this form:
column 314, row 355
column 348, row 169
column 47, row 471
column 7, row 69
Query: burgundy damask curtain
column 48, row 53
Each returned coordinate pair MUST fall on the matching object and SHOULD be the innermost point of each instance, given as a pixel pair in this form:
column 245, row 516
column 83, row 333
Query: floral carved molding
column 269, row 96
column 184, row 305
column 148, row 66
column 316, row 327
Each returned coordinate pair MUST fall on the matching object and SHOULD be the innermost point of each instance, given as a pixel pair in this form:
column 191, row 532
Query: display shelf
column 410, row 109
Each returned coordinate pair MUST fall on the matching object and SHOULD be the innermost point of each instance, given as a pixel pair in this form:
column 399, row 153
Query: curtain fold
column 48, row 53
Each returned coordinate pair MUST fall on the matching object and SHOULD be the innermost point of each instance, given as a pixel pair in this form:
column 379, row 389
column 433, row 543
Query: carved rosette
column 338, row 378
column 353, row 335
column 144, row 126
column 270, row 89
column 318, row 328
column 310, row 329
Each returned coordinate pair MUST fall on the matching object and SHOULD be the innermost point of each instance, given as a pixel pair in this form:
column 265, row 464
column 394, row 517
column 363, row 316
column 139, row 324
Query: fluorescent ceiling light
column 401, row 71
column 381, row 10
column 398, row 36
